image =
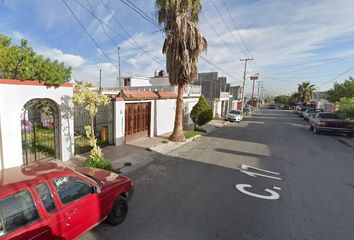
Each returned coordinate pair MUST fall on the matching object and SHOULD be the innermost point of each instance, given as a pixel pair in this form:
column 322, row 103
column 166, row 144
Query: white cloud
column 54, row 53
column 90, row 72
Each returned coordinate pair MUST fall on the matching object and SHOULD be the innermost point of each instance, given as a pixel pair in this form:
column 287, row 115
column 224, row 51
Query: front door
column 137, row 120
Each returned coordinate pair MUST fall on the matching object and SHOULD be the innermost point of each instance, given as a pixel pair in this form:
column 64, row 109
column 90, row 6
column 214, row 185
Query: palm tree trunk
column 178, row 134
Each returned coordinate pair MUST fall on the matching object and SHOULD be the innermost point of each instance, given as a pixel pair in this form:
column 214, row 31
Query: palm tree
column 306, row 91
column 182, row 46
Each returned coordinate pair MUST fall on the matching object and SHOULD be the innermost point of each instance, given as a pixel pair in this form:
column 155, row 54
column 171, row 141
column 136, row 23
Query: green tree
column 306, row 91
column 182, row 46
column 341, row 90
column 294, row 98
column 83, row 95
column 201, row 113
column 21, row 62
column 284, row 99
column 346, row 108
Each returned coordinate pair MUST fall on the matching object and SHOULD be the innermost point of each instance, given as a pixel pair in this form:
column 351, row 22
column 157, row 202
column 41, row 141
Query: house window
column 127, row 82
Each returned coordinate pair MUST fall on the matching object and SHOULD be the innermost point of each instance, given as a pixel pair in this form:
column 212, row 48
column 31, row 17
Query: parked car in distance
column 311, row 112
column 297, row 109
column 46, row 201
column 233, row 115
column 301, row 111
column 271, row 106
column 284, row 107
column 330, row 122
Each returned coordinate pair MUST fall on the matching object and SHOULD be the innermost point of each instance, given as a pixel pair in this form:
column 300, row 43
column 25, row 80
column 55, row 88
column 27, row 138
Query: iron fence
column 103, row 126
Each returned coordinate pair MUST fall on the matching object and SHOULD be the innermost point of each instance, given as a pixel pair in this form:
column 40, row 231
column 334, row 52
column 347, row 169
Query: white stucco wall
column 119, row 132
column 119, row 118
column 159, row 81
column 189, row 103
column 139, row 82
column 1, row 161
column 12, row 99
column 165, row 111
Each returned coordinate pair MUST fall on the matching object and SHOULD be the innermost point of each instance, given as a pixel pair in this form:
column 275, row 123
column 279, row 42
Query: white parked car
column 233, row 115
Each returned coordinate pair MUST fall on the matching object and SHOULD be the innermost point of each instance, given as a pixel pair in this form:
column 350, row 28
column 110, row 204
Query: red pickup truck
column 46, row 201
column 330, row 122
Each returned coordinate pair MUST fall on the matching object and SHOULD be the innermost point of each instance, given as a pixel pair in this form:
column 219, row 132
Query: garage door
column 137, row 120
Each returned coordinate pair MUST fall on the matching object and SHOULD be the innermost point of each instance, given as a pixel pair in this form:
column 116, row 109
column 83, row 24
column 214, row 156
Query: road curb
column 170, row 146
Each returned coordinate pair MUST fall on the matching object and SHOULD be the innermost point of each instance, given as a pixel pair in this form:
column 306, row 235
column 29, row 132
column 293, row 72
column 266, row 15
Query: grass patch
column 190, row 134
column 164, row 141
column 201, row 130
column 82, row 144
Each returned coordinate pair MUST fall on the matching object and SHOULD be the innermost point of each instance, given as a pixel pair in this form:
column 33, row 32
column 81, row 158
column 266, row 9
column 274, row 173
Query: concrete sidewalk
column 129, row 157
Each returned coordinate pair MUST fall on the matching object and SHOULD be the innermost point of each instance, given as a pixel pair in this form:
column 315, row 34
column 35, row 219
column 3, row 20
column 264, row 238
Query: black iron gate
column 39, row 131
column 103, row 125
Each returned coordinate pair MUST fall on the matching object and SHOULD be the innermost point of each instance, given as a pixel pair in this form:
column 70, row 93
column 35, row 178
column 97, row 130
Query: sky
column 289, row 41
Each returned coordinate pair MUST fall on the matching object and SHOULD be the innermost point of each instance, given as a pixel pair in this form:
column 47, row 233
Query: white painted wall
column 139, row 82
column 12, row 99
column 165, row 111
column 119, row 118
column 1, row 160
column 159, row 81
column 189, row 104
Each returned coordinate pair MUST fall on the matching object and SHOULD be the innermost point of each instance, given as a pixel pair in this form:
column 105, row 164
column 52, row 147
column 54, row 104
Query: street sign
column 254, row 78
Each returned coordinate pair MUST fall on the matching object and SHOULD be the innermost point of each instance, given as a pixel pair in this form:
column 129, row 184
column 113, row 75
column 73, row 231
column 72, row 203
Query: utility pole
column 100, row 87
column 258, row 95
column 244, row 81
column 119, row 64
column 253, row 78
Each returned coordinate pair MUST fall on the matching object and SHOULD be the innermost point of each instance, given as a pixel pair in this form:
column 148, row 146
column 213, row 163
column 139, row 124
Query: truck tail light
column 321, row 124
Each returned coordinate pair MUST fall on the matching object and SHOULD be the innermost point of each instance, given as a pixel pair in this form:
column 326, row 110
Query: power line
column 142, row 13
column 233, row 22
column 336, row 77
column 219, row 36
column 228, row 28
column 129, row 38
column 92, row 39
column 151, row 21
column 325, row 61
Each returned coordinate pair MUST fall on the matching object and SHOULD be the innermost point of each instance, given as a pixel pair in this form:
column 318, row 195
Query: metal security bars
column 103, row 125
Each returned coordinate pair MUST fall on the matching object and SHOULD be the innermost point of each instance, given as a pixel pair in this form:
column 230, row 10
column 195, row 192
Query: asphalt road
column 191, row 193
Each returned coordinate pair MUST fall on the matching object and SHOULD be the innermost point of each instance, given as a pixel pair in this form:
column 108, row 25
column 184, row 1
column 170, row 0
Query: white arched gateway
column 36, row 122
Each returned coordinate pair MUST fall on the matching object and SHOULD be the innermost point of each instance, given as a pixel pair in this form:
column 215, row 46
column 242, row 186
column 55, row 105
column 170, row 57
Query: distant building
column 320, row 95
column 215, row 90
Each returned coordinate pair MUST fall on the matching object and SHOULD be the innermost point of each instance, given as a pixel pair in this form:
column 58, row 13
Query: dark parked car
column 330, row 122
column 271, row 106
column 46, row 201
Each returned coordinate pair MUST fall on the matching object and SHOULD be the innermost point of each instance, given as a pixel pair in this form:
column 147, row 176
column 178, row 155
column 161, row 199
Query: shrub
column 98, row 162
column 201, row 113
column 346, row 108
